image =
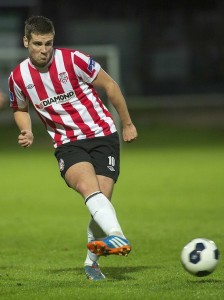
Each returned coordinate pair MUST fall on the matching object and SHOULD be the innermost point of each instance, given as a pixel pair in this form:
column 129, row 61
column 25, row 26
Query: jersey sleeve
column 16, row 97
column 85, row 67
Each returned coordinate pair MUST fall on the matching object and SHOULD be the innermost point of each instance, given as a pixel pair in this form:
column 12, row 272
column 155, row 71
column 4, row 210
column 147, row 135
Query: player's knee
column 82, row 187
column 86, row 187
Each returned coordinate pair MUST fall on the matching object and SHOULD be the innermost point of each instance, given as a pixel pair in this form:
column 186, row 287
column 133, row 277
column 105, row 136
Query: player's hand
column 25, row 139
column 129, row 133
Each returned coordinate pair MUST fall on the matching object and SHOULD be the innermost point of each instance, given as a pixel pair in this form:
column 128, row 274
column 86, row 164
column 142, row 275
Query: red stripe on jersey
column 42, row 93
column 17, row 78
column 54, row 79
column 85, row 101
column 75, row 115
column 105, row 111
column 83, row 65
column 69, row 108
column 39, row 86
column 95, row 116
column 57, row 119
column 59, row 90
column 50, row 124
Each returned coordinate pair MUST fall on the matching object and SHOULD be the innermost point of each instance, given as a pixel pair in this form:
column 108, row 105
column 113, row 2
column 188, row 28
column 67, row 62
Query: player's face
column 40, row 48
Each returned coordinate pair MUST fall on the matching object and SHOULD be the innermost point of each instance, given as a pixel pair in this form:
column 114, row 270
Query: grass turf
column 170, row 191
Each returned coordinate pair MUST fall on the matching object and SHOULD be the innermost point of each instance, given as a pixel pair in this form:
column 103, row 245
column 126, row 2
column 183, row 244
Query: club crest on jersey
column 63, row 77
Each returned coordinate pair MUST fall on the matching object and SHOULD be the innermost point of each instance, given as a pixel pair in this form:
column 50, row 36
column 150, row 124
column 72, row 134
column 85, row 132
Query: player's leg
column 105, row 157
column 94, row 232
column 91, row 263
column 115, row 243
column 106, row 185
column 82, row 178
column 76, row 167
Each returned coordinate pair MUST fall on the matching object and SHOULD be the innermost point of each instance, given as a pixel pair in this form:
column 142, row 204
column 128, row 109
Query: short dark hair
column 38, row 24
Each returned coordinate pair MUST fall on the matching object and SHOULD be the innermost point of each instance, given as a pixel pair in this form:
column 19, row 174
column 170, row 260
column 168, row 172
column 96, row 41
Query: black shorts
column 102, row 152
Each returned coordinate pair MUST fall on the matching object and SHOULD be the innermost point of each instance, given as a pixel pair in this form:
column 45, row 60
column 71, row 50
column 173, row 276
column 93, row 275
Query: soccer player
column 61, row 85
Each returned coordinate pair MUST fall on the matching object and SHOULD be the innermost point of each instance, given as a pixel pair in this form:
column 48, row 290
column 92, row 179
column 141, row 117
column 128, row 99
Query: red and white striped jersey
column 63, row 96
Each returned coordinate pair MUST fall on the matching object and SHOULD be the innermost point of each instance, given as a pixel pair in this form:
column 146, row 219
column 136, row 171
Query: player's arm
column 115, row 96
column 23, row 121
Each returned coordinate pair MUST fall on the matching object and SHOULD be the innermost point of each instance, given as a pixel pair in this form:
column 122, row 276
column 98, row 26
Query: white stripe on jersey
column 79, row 71
column 34, row 95
column 24, row 67
column 76, row 103
column 61, row 68
column 66, row 118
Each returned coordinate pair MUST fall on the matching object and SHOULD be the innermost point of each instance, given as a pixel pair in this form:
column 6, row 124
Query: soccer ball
column 200, row 257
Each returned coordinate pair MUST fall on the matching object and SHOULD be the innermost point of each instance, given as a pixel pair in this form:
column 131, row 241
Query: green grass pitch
column 170, row 191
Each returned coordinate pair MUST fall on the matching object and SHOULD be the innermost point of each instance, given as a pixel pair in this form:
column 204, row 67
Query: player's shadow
column 112, row 273
column 124, row 273
column 204, row 281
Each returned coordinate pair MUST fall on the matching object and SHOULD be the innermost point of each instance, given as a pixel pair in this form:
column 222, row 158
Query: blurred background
column 168, row 56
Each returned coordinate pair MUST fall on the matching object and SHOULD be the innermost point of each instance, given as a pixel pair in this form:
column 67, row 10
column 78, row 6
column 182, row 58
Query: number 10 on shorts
column 111, row 161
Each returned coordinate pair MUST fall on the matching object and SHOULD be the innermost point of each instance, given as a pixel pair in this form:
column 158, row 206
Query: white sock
column 104, row 214
column 94, row 233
